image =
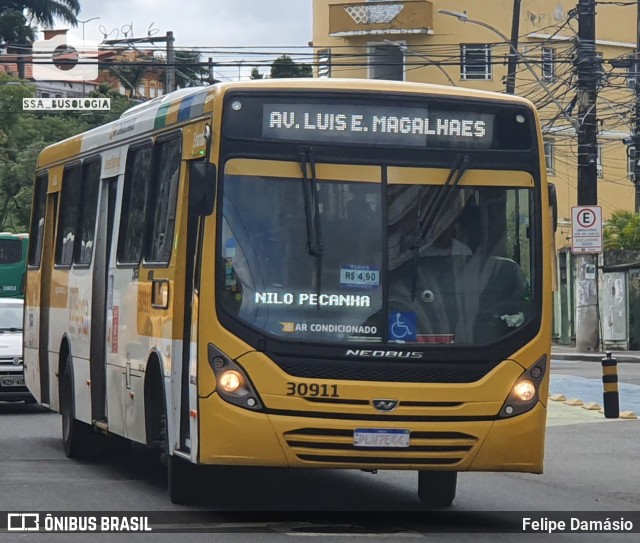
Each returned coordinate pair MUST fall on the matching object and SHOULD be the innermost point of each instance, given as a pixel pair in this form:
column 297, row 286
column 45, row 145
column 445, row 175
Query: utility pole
column 510, row 85
column 636, row 133
column 170, row 73
column 171, row 64
column 587, row 318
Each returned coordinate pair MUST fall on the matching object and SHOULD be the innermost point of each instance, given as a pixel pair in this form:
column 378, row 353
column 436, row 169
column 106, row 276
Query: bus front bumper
column 234, row 436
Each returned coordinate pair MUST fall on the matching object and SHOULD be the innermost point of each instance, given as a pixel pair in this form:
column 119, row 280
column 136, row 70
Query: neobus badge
column 383, row 354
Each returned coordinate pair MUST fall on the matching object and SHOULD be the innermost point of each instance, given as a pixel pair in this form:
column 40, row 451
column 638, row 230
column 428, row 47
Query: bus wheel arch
column 184, row 479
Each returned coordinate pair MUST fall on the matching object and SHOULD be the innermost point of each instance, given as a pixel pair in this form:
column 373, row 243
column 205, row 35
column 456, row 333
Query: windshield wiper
column 437, row 206
column 11, row 329
column 311, row 204
column 315, row 245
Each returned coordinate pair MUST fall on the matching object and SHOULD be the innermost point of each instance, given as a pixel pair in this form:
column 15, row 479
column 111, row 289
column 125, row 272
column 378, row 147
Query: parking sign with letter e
column 586, row 229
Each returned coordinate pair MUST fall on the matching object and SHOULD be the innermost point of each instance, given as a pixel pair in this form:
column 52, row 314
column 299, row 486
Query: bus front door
column 101, row 299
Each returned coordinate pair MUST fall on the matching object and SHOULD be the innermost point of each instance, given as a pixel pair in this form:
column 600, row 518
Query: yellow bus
column 341, row 274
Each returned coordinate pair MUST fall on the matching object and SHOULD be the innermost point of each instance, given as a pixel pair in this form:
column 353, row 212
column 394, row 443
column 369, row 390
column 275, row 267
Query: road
column 590, row 465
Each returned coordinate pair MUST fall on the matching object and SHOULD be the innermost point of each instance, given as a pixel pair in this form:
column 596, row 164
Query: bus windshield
column 400, row 262
column 12, row 264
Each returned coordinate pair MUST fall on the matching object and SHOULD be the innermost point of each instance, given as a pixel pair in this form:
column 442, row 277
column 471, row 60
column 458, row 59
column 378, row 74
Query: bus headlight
column 525, row 390
column 232, row 383
column 525, row 393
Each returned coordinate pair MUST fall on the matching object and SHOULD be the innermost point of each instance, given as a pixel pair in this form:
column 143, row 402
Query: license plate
column 12, row 381
column 380, row 437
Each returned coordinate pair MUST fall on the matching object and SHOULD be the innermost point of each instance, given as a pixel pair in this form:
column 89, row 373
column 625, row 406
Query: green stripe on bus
column 161, row 116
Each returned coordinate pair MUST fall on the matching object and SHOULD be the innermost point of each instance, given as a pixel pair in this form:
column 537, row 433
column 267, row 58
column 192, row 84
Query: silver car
column 12, row 387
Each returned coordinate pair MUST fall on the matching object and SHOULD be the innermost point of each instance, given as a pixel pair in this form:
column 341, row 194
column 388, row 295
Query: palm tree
column 44, row 12
column 622, row 231
column 16, row 29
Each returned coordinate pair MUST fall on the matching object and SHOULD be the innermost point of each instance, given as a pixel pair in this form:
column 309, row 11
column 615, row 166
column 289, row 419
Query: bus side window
column 162, row 209
column 69, row 214
column 134, row 203
column 88, row 211
column 36, row 230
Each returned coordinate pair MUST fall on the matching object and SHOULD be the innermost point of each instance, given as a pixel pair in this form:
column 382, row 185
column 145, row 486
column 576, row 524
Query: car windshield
column 11, row 316
column 384, row 263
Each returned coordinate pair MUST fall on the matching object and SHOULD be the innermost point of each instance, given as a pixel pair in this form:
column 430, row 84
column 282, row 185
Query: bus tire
column 78, row 438
column 184, row 481
column 437, row 489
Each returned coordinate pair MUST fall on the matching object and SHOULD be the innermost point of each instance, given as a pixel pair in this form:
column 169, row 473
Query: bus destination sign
column 382, row 125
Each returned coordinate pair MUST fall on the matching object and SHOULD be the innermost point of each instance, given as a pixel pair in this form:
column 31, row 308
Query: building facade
column 411, row 40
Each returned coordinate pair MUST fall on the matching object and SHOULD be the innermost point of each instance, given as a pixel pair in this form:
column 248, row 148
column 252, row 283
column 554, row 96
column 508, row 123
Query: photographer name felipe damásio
column 577, row 524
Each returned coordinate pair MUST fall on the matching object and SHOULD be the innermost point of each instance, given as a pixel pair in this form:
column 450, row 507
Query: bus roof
column 186, row 104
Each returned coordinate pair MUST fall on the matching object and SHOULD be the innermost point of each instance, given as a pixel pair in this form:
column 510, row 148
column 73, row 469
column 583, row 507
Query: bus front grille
column 336, row 446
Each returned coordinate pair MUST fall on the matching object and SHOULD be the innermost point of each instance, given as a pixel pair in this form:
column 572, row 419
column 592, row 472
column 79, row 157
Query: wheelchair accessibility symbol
column 402, row 326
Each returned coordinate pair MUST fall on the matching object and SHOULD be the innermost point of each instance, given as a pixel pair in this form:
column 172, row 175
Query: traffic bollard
column 610, row 395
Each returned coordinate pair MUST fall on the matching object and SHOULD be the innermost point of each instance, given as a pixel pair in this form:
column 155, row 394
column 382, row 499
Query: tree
column 285, row 67
column 622, row 231
column 44, row 11
column 131, row 71
column 189, row 72
column 15, row 29
column 255, row 74
column 24, row 134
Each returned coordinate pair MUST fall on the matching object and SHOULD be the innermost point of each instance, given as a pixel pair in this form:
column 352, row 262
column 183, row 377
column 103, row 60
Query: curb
column 590, row 406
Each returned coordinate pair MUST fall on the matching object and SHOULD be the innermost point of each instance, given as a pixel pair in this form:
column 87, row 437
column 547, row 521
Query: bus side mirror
column 553, row 202
column 202, row 188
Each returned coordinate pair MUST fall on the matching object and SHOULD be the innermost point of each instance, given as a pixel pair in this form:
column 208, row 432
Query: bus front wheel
column 437, row 489
column 184, row 481
column 78, row 438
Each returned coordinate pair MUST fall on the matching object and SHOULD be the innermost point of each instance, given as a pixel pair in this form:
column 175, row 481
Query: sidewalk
column 565, row 352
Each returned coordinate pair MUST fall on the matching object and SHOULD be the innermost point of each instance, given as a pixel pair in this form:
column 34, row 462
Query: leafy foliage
column 14, row 27
column 45, row 11
column 188, row 72
column 622, row 231
column 131, row 73
column 285, row 67
column 24, row 134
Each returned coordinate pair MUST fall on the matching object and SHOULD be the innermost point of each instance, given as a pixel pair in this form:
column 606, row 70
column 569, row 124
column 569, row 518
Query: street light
column 405, row 50
column 465, row 19
column 83, row 45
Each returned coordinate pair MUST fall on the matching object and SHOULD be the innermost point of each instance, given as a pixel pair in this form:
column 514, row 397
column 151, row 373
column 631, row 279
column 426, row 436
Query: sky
column 227, row 30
